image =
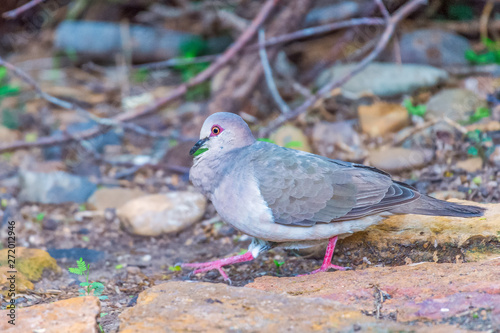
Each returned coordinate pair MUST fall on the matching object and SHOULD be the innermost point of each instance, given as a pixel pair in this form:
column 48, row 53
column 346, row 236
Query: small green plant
column 416, row 110
column 175, row 268
column 278, row 265
column 490, row 54
column 480, row 113
column 88, row 288
column 9, row 117
column 189, row 50
column 481, row 144
column 40, row 216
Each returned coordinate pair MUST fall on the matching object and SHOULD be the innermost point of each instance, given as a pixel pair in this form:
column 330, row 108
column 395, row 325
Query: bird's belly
column 242, row 206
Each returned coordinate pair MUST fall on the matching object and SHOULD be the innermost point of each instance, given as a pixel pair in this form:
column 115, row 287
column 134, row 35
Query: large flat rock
column 425, row 291
column 205, row 307
column 75, row 315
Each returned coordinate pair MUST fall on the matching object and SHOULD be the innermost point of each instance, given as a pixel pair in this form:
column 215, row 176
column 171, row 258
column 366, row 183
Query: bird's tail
column 426, row 205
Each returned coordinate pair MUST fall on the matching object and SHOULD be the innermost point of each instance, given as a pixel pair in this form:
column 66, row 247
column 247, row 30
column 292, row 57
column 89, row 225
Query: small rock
column 76, row 253
column 334, row 12
column 31, row 262
column 381, row 118
column 113, row 197
column 433, row 47
column 153, row 215
column 383, row 79
column 147, row 43
column 21, row 283
column 398, row 159
column 337, row 140
column 49, row 224
column 54, row 187
column 456, row 104
column 216, row 307
column 291, row 137
column 495, row 156
column 8, row 135
column 75, row 315
column 473, row 164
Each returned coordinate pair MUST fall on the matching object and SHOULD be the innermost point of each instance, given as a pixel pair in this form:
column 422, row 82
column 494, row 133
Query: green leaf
column 103, row 297
column 3, row 73
column 82, row 208
column 480, row 113
column 266, row 140
column 4, row 203
column 278, row 263
column 418, row 110
column 9, row 90
column 75, row 270
column 175, row 268
column 102, row 314
column 84, row 284
column 294, row 144
column 243, row 251
column 200, row 151
column 472, row 151
column 81, row 265
column 85, row 238
column 477, row 180
column 119, row 266
column 40, row 216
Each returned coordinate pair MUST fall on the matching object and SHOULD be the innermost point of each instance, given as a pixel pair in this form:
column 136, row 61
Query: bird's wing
column 304, row 189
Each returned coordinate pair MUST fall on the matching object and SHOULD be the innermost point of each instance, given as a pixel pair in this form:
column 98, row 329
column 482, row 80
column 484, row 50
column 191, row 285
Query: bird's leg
column 327, row 261
column 218, row 264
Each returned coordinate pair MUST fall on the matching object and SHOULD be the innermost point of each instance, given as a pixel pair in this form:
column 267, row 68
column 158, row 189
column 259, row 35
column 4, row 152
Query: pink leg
column 327, row 261
column 218, row 264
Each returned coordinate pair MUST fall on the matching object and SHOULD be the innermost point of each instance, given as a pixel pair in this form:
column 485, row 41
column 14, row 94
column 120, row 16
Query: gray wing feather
column 304, row 189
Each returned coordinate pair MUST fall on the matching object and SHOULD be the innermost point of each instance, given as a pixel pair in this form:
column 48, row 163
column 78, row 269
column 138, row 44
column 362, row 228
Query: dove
column 292, row 199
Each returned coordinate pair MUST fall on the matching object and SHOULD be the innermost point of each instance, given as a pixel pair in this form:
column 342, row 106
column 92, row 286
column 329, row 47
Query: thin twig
column 383, row 10
column 400, row 14
column 271, row 84
column 11, row 14
column 72, row 106
column 180, row 91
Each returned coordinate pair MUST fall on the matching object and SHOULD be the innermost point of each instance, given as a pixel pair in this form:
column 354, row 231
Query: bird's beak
column 197, row 145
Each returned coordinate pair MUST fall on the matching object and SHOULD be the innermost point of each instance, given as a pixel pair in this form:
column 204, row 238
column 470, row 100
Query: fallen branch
column 12, row 14
column 392, row 22
column 180, row 91
column 271, row 84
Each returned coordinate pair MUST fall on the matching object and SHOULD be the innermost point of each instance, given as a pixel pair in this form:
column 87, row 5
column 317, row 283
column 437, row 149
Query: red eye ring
column 216, row 130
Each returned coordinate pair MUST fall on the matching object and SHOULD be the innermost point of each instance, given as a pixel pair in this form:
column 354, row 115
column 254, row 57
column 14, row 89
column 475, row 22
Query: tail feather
column 426, row 205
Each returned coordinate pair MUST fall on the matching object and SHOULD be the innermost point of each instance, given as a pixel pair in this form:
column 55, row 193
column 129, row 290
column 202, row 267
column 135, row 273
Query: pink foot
column 218, row 264
column 327, row 264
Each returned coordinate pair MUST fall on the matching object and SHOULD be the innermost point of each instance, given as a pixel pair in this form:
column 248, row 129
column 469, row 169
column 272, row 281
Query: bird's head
column 222, row 132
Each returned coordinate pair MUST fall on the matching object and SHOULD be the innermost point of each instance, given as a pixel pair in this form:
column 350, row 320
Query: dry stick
column 180, row 91
column 400, row 14
column 11, row 14
column 72, row 106
column 299, row 34
column 271, row 84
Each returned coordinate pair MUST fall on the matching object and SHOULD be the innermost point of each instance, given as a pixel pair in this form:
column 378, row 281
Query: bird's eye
column 216, row 130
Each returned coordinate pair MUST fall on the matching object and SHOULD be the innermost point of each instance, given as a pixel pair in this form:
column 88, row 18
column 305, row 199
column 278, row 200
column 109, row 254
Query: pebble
column 470, row 165
column 54, row 187
column 433, row 47
column 456, row 104
column 381, row 118
column 398, row 159
column 113, row 197
column 153, row 215
column 384, row 79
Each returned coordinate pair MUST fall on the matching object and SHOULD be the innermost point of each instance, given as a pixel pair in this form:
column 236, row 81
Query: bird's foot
column 325, row 268
column 201, row 267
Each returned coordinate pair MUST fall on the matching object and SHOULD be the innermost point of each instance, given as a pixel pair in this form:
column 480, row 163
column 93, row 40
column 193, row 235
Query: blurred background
column 100, row 102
